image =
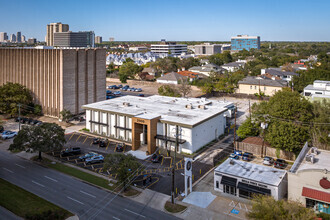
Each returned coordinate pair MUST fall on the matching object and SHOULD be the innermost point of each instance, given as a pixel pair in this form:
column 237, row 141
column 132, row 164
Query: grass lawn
column 82, row 175
column 174, row 208
column 28, row 205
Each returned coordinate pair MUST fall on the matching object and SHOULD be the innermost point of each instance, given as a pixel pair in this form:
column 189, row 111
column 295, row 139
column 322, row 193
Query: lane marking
column 71, row 136
column 85, row 139
column 78, row 138
column 19, row 165
column 87, row 194
column 51, row 178
column 8, row 170
column 38, row 183
column 115, row 218
column 134, row 213
column 75, row 200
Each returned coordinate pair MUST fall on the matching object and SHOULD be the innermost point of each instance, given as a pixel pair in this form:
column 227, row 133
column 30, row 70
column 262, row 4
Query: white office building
column 151, row 121
column 169, row 48
column 245, row 179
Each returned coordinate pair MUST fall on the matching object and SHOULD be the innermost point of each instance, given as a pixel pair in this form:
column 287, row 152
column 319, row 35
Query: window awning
column 122, row 128
column 316, row 194
column 226, row 180
column 253, row 189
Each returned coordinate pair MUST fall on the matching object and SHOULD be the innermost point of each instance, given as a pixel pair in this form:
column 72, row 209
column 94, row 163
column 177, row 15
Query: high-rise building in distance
column 19, row 37
column 13, row 38
column 246, row 42
column 32, row 41
column 111, row 39
column 74, row 39
column 54, row 28
column 98, row 39
column 23, row 39
column 3, row 36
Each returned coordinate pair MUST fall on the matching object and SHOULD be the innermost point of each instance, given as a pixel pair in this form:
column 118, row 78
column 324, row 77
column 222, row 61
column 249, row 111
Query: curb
column 200, row 179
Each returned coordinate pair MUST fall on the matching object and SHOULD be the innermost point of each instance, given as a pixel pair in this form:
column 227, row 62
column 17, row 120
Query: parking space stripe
column 85, row 139
column 91, row 143
column 78, row 138
column 107, row 146
column 72, row 136
column 162, row 161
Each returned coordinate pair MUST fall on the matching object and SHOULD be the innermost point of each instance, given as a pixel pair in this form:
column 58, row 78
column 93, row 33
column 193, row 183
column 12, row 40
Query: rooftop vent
column 189, row 106
column 201, row 107
column 314, row 150
column 126, row 104
column 231, row 162
column 310, row 158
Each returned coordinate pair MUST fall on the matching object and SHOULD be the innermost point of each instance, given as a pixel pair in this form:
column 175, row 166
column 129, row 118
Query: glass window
column 250, row 87
column 217, row 184
column 255, row 87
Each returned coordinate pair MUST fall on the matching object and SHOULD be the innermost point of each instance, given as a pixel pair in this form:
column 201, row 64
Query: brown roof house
column 171, row 78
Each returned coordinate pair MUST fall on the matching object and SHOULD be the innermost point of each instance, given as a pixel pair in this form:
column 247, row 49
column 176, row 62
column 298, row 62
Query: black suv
column 156, row 158
column 103, row 143
column 120, row 147
column 71, row 151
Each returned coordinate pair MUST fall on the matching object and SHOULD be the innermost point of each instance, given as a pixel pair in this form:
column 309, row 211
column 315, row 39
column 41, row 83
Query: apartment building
column 246, row 42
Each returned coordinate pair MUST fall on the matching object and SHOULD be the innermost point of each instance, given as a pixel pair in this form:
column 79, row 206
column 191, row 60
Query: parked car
column 132, row 89
column 34, row 122
column 96, row 140
column 1, row 129
column 120, row 147
column 125, row 88
column 24, row 120
column 71, row 151
column 88, row 155
column 280, row 163
column 95, row 159
column 268, row 161
column 112, row 87
column 247, row 156
column 120, row 86
column 141, row 95
column 156, row 158
column 110, row 97
column 238, row 152
column 103, row 142
column 138, row 90
column 8, row 134
column 109, row 92
column 234, row 156
column 117, row 93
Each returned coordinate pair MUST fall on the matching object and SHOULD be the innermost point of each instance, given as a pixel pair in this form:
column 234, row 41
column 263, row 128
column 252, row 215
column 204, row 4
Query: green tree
column 124, row 166
column 12, row 94
column 248, row 129
column 128, row 70
column 167, row 90
column 188, row 63
column 221, row 58
column 184, row 87
column 321, row 128
column 65, row 115
column 267, row 208
column 43, row 138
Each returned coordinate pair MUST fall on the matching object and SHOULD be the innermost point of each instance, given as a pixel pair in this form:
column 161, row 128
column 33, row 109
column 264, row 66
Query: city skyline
column 193, row 20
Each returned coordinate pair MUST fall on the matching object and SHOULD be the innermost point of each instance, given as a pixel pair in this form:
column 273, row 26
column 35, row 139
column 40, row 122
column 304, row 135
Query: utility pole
column 173, row 164
column 19, row 117
column 249, row 109
column 235, row 128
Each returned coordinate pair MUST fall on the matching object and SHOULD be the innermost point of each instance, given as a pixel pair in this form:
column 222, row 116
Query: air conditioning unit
column 314, row 150
column 310, row 158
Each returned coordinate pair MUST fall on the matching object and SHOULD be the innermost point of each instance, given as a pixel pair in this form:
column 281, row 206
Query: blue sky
column 214, row 20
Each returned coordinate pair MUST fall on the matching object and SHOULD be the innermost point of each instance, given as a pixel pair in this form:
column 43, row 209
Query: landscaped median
column 87, row 177
column 174, row 208
column 28, row 205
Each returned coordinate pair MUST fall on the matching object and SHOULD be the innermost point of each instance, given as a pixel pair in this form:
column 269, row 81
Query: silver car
column 268, row 161
column 8, row 134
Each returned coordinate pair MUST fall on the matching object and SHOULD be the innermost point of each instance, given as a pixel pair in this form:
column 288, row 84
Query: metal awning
column 122, row 128
column 229, row 181
column 170, row 139
column 253, row 189
column 99, row 123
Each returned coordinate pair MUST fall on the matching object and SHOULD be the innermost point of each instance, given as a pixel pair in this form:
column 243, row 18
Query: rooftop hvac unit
column 232, row 162
column 126, row 104
column 314, row 150
column 310, row 158
column 201, row 106
column 189, row 106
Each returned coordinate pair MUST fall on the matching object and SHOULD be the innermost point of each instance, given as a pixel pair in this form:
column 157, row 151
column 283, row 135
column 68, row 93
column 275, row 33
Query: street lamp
column 264, row 126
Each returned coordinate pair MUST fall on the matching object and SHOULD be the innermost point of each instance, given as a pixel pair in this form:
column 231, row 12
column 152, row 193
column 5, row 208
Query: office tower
column 13, row 38
column 32, row 41
column 168, row 48
column 207, row 49
column 23, row 39
column 18, row 37
column 54, row 28
column 58, row 78
column 3, row 36
column 245, row 42
column 98, row 39
column 74, row 39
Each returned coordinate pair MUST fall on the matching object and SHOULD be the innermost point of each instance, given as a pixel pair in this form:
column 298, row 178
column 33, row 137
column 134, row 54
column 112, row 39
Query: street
column 84, row 200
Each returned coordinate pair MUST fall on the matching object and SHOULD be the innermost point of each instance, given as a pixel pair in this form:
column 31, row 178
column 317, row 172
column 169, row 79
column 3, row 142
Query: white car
column 268, row 161
column 8, row 134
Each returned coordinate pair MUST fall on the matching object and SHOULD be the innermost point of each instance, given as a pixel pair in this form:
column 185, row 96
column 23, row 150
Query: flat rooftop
column 252, row 171
column 322, row 161
column 170, row 109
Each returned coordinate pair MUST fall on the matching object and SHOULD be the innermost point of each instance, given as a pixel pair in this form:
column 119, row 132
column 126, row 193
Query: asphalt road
column 84, row 200
column 6, row 214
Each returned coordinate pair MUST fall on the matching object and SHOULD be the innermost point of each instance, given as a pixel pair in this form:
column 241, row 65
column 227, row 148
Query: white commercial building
column 319, row 88
column 152, row 121
column 245, row 179
column 169, row 48
column 137, row 48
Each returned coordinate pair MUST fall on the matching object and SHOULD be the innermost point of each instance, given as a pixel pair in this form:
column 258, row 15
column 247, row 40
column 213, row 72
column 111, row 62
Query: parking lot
column 155, row 176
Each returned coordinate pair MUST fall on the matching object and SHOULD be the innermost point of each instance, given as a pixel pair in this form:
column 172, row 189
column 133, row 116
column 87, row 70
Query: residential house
column 234, row 66
column 207, row 69
column 319, row 89
column 171, row 78
column 254, row 85
column 278, row 73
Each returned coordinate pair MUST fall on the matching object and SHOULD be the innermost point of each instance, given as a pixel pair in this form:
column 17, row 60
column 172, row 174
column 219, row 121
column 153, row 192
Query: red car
column 280, row 163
